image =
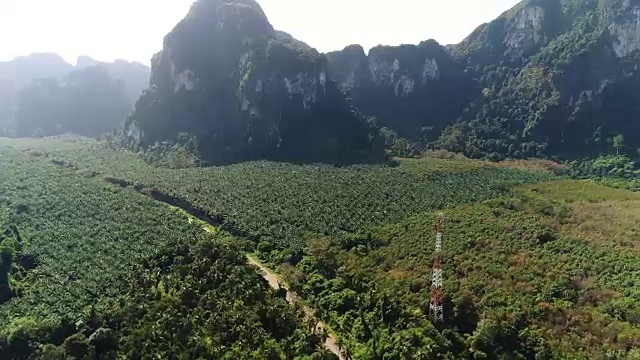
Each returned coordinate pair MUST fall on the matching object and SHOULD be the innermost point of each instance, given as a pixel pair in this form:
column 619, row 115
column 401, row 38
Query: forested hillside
column 416, row 90
column 546, row 78
column 565, row 85
column 86, row 102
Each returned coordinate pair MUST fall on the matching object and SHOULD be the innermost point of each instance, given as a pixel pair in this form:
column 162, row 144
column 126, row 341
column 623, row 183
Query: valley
column 515, row 248
column 249, row 197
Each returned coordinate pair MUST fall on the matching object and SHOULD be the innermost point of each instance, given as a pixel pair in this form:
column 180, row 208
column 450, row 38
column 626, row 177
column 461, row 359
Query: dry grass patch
column 430, row 165
column 533, row 165
column 580, row 191
column 398, row 274
column 607, row 222
column 519, row 164
column 600, row 214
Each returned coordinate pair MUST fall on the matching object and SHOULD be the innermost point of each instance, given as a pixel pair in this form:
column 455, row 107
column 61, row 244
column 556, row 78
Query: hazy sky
column 134, row 29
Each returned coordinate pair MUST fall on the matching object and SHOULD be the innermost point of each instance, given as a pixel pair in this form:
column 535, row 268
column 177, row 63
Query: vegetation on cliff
column 245, row 91
column 548, row 78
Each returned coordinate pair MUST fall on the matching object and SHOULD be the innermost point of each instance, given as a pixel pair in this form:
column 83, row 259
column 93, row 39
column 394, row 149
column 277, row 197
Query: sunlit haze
column 134, row 29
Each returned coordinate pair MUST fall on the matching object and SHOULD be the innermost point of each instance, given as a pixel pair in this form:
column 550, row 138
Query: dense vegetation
column 544, row 94
column 616, row 171
column 551, row 271
column 540, row 270
column 553, row 78
column 89, row 269
column 537, row 265
column 10, row 249
column 279, row 202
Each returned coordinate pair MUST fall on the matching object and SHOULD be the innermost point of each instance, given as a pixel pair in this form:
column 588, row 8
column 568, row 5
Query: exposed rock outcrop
column 246, row 91
column 546, row 78
column 413, row 89
column 569, row 89
column 514, row 36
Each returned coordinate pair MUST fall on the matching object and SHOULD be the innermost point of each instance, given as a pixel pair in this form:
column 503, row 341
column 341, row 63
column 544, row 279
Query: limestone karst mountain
column 246, row 91
column 41, row 94
column 546, row 78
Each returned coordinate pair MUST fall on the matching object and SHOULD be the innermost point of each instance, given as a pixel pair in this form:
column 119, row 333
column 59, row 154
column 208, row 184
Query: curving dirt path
column 274, row 280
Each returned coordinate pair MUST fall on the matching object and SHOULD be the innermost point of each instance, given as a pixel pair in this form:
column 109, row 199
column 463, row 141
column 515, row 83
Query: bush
column 615, row 166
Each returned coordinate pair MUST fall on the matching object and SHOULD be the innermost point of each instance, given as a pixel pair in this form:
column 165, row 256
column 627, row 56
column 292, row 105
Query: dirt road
column 275, row 282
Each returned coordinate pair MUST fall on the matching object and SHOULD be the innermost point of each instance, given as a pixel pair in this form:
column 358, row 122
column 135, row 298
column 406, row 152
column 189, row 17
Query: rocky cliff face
column 572, row 88
column 412, row 89
column 514, row 36
column 548, row 77
column 624, row 25
column 246, row 91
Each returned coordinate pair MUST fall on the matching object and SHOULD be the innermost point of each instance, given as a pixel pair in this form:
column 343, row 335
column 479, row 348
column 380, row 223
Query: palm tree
column 618, row 142
column 344, row 350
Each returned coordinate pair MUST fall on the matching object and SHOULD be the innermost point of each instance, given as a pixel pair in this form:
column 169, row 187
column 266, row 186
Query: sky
column 133, row 29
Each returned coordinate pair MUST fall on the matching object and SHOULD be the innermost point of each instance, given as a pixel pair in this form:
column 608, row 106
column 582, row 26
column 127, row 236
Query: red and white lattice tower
column 435, row 306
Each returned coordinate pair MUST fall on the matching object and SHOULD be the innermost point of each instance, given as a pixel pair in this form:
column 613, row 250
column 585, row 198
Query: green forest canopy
column 516, row 245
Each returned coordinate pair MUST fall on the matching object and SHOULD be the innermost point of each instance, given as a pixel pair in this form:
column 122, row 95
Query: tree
column 618, row 142
column 76, row 346
column 9, row 246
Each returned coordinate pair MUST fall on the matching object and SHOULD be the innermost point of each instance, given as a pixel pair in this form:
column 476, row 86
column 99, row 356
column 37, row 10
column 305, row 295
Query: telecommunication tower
column 435, row 305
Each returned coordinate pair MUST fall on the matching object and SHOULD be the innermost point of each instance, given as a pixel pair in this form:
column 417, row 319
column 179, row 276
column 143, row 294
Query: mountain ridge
column 41, row 92
column 542, row 80
column 546, row 78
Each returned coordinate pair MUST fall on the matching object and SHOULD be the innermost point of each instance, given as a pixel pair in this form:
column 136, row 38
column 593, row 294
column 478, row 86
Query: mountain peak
column 246, row 91
column 201, row 7
column 244, row 16
column 516, row 34
column 85, row 62
column 22, row 70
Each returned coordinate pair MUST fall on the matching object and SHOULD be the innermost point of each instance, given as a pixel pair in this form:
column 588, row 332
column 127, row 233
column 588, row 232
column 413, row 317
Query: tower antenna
column 436, row 304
